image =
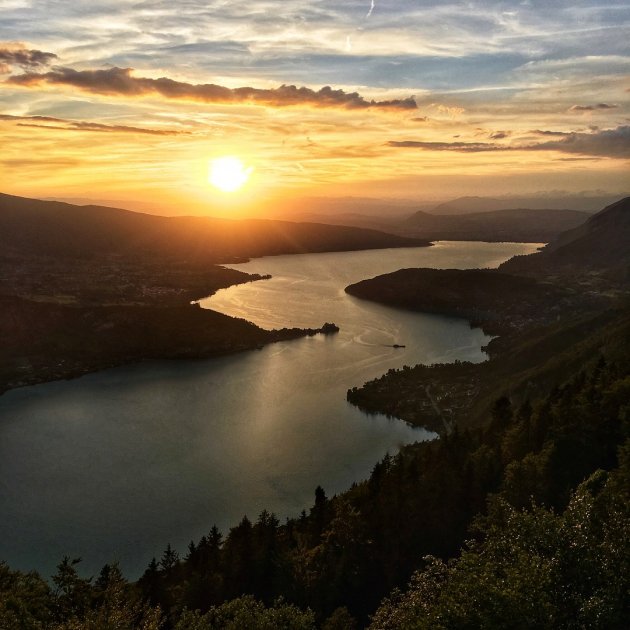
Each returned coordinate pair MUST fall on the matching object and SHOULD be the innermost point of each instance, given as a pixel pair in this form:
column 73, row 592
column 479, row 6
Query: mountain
column 520, row 224
column 467, row 205
column 539, row 304
column 83, row 288
column 64, row 230
column 602, row 244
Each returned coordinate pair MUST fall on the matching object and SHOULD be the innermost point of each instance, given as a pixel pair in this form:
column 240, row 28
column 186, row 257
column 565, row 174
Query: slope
column 601, row 245
column 58, row 229
column 522, row 225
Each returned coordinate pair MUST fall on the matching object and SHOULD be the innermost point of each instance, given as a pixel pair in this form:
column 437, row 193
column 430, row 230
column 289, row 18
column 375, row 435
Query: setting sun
column 228, row 173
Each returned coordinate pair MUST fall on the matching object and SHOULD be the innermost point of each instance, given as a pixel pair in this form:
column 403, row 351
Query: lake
column 115, row 465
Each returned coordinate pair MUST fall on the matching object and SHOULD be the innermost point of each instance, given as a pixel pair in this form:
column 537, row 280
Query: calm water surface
column 114, row 465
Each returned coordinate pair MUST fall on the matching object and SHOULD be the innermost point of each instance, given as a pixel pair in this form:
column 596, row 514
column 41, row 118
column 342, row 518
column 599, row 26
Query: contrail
column 372, row 4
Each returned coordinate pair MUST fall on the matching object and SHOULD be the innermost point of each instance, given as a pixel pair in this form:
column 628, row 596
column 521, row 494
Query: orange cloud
column 120, row 82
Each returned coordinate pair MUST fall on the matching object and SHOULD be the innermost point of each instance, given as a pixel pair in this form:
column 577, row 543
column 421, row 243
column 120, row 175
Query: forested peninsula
column 551, row 310
column 83, row 288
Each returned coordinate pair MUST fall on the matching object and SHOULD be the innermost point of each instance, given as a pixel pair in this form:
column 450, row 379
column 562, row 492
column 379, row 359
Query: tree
column 246, row 612
column 533, row 569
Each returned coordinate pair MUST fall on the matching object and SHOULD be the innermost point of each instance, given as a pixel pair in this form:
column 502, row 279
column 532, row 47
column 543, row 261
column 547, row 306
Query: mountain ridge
column 602, row 244
column 62, row 229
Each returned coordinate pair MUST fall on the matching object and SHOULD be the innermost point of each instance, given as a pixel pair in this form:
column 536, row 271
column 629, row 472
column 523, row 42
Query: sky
column 416, row 99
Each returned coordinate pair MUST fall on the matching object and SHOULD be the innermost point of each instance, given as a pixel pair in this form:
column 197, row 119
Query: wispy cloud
column 476, row 71
column 592, row 108
column 74, row 125
column 547, row 132
column 121, row 82
column 464, row 147
column 614, row 143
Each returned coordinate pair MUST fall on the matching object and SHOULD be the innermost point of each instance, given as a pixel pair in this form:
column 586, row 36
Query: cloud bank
column 592, row 108
column 613, row 143
column 120, row 82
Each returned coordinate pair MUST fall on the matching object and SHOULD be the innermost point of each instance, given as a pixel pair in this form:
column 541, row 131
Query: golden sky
column 131, row 100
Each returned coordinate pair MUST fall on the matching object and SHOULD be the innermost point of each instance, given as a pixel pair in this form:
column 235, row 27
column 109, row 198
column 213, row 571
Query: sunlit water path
column 114, row 465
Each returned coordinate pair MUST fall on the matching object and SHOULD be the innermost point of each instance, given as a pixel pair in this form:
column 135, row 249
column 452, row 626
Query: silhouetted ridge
column 518, row 224
column 36, row 227
column 466, row 205
column 601, row 244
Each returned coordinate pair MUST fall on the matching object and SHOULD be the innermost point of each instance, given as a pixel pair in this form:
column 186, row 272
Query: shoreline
column 53, row 342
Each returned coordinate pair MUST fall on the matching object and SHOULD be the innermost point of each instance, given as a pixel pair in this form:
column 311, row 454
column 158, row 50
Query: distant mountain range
column 579, row 271
column 61, row 229
column 468, row 205
column 523, row 224
column 525, row 219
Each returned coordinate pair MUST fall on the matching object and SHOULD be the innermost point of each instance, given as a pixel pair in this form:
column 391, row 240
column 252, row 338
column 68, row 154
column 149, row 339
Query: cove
column 116, row 464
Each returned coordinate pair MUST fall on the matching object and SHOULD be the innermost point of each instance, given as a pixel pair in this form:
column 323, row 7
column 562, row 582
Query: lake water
column 116, row 464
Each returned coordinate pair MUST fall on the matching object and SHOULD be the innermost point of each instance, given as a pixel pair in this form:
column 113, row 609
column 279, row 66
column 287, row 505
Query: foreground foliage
column 533, row 569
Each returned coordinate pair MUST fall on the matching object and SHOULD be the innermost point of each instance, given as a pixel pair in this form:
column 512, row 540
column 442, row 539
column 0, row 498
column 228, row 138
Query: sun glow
column 228, row 173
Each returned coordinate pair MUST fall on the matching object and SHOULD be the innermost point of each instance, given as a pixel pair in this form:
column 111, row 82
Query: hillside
column 497, row 301
column 549, row 310
column 49, row 228
column 88, row 287
column 519, row 225
column 601, row 245
column 515, row 225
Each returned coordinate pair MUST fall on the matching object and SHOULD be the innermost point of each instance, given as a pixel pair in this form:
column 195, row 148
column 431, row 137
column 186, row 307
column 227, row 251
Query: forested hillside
column 52, row 228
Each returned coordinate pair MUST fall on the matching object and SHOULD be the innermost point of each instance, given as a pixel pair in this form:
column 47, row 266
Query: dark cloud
column 120, row 82
column 18, row 55
column 592, row 108
column 73, row 125
column 606, row 143
column 614, row 143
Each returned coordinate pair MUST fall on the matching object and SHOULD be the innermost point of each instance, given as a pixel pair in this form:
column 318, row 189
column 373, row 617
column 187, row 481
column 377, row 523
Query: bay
column 114, row 465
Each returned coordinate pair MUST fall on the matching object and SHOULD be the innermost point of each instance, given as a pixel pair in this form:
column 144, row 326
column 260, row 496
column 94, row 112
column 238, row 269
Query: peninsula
column 552, row 311
column 84, row 288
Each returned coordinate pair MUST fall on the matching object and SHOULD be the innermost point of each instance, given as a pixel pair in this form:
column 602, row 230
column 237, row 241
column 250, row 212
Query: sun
column 228, row 173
